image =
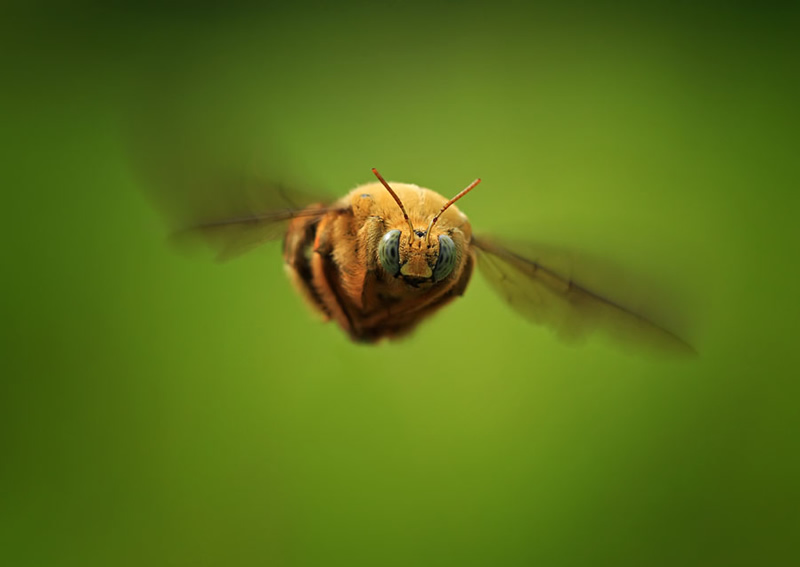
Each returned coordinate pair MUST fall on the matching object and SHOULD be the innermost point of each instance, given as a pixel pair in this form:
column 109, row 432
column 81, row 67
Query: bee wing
column 214, row 196
column 229, row 215
column 544, row 295
column 214, row 176
column 234, row 236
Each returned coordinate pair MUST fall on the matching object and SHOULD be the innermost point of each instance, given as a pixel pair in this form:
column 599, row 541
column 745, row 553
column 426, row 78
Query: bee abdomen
column 297, row 253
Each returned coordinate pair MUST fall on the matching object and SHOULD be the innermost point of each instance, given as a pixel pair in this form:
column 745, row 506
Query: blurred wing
column 229, row 215
column 218, row 196
column 546, row 297
column 212, row 173
column 234, row 236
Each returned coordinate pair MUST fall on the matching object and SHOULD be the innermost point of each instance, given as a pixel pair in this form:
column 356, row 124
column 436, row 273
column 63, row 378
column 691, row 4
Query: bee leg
column 368, row 281
column 326, row 277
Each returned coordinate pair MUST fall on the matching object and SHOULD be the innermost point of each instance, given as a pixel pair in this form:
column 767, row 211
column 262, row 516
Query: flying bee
column 388, row 255
column 375, row 272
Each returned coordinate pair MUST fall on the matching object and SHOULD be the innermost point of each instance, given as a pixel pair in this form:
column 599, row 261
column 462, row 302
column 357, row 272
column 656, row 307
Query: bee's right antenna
column 396, row 198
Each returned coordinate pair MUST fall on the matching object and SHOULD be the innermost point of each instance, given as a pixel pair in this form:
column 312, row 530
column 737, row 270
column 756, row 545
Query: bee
column 387, row 256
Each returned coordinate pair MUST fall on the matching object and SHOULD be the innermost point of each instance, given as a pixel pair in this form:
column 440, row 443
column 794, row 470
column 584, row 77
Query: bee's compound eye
column 389, row 252
column 447, row 258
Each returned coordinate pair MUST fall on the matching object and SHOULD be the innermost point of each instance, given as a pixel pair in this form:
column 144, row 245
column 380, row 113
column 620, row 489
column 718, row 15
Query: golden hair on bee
column 436, row 217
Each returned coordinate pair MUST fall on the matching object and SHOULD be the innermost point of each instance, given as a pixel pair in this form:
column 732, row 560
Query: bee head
column 419, row 258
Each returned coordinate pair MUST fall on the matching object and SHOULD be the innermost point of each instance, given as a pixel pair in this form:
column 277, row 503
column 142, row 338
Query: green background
column 159, row 409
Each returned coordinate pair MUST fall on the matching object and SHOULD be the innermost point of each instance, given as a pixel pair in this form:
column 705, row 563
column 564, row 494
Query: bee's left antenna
column 466, row 190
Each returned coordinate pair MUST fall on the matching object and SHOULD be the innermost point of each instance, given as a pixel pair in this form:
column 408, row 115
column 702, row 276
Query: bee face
column 418, row 256
column 417, row 260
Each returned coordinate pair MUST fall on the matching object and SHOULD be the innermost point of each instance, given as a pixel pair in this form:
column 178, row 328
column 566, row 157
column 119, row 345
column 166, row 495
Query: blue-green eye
column 447, row 258
column 389, row 252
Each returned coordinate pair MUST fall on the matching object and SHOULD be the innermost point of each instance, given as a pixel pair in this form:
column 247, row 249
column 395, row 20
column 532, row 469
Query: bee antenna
column 466, row 190
column 396, row 198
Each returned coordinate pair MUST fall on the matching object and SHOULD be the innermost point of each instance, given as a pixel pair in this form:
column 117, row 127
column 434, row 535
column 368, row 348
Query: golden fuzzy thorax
column 344, row 277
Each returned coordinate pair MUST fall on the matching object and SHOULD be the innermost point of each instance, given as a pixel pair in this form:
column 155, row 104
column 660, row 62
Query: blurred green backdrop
column 163, row 410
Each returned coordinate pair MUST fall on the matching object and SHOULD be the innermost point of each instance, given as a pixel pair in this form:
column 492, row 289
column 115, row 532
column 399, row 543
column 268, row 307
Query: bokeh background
column 159, row 409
